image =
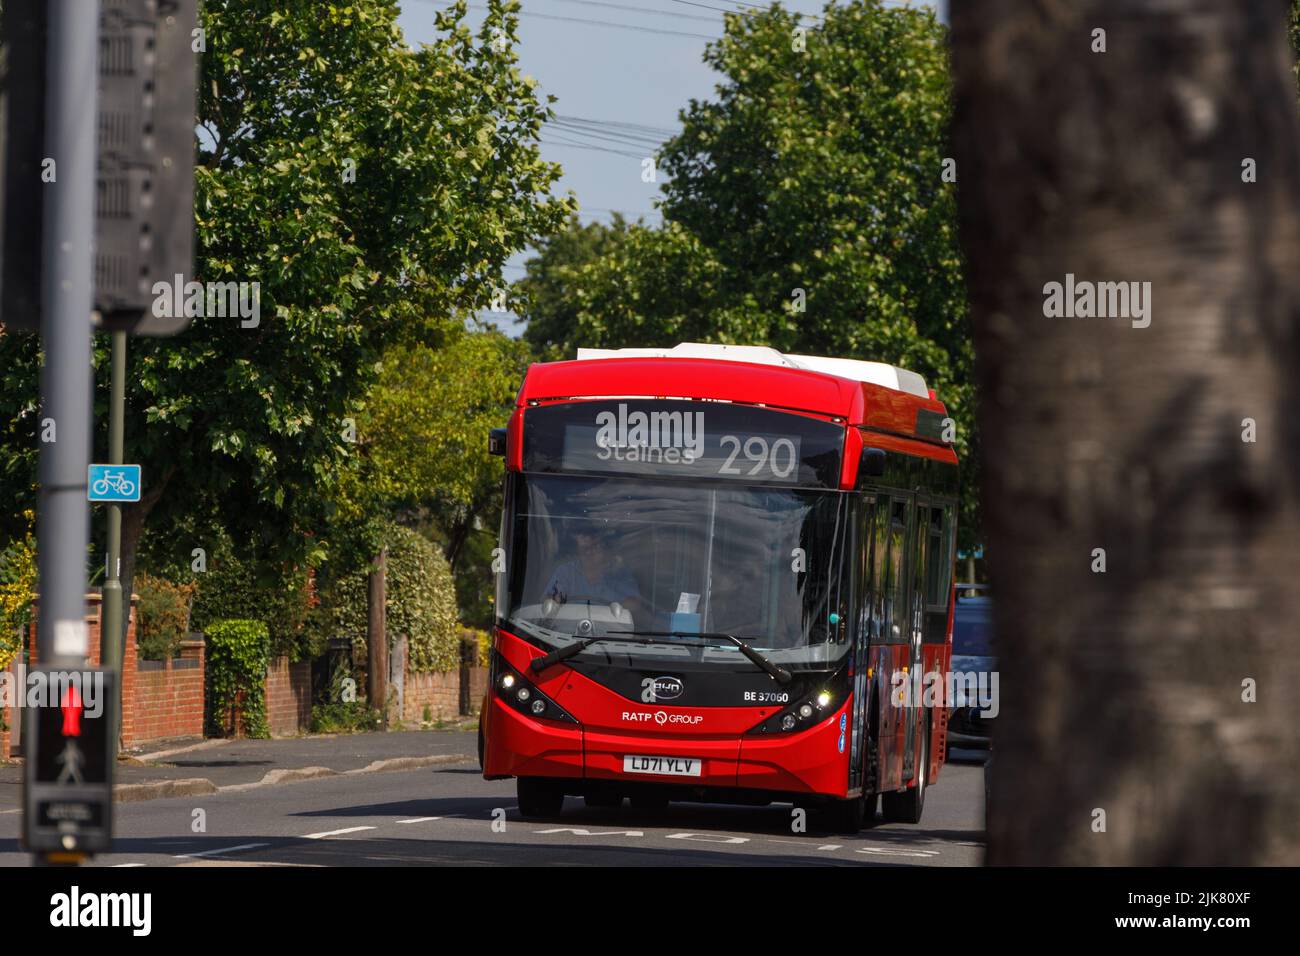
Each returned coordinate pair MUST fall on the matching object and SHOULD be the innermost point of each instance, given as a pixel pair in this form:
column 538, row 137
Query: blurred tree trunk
column 1123, row 691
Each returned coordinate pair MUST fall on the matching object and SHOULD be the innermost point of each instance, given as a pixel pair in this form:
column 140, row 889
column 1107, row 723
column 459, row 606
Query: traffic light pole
column 67, row 296
column 113, row 638
column 66, row 303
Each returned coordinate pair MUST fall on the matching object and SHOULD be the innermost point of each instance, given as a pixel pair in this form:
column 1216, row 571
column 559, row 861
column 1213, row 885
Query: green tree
column 560, row 265
column 367, row 187
column 424, row 441
column 420, row 601
column 805, row 207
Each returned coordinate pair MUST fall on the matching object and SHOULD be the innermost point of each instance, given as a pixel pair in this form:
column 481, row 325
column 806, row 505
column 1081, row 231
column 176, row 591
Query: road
column 449, row 815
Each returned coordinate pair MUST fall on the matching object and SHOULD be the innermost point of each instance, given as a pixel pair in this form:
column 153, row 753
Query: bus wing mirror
column 497, row 441
column 873, row 463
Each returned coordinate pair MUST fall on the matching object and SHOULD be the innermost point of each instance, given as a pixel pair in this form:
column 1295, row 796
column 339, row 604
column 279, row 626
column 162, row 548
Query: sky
column 620, row 71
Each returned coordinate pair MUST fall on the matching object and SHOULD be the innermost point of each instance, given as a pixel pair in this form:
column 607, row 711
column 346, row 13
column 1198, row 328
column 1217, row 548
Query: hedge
column 162, row 616
column 238, row 654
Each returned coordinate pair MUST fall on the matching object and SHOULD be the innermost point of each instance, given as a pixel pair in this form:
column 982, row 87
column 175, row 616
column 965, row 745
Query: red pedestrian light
column 71, row 712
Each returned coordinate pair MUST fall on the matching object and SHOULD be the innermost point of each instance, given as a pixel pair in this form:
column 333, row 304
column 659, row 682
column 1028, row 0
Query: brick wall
column 166, row 696
column 288, row 697
column 478, row 684
column 441, row 692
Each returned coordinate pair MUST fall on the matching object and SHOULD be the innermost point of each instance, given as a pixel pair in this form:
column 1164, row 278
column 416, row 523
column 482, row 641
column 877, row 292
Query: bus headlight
column 517, row 692
column 810, row 708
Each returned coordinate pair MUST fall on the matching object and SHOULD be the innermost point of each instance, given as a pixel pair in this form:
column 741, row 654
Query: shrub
column 162, row 616
column 343, row 712
column 238, row 653
column 420, row 602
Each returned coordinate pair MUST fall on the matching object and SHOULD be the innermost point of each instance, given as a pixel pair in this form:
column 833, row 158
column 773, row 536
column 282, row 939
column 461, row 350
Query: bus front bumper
column 813, row 761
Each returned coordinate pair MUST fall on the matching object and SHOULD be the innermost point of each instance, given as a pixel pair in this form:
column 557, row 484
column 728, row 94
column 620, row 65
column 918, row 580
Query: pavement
column 376, row 811
column 212, row 766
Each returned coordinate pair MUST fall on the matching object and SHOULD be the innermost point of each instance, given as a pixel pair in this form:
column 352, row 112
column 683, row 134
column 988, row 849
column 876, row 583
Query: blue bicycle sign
column 113, row 483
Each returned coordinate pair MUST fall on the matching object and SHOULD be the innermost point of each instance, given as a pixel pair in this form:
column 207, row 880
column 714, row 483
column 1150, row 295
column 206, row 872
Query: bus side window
column 879, row 565
column 866, row 562
column 895, row 585
column 938, row 575
column 937, row 567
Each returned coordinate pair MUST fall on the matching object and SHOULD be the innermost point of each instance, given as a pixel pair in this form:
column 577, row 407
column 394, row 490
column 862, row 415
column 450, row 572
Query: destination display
column 683, row 439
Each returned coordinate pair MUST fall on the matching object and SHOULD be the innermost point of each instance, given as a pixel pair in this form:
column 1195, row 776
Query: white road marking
column 226, row 849
column 420, row 820
column 804, row 844
column 893, row 851
column 578, row 831
column 330, row 833
column 119, row 865
column 708, row 838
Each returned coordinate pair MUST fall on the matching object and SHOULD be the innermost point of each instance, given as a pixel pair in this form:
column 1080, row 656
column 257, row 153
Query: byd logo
column 661, row 688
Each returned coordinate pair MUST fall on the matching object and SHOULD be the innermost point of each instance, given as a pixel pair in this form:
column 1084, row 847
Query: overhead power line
column 657, row 130
column 654, row 13
column 612, row 137
column 605, row 23
column 592, row 146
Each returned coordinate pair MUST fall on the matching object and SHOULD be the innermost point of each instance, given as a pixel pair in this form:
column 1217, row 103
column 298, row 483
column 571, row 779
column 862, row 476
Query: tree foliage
column 162, row 616
column 420, row 601
column 562, row 265
column 805, row 208
column 370, row 189
column 422, row 441
column 17, row 590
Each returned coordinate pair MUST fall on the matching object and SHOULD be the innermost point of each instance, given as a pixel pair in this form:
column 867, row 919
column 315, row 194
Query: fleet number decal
column 766, row 697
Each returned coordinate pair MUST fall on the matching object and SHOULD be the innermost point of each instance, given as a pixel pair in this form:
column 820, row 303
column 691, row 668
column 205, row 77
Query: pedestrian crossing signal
column 68, row 766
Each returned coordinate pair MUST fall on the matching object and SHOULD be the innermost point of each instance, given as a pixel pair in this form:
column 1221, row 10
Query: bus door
column 918, row 529
column 889, row 635
column 859, row 751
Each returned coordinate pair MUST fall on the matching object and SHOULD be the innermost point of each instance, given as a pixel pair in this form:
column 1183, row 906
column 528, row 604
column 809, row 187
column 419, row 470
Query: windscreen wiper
column 539, row 664
column 776, row 671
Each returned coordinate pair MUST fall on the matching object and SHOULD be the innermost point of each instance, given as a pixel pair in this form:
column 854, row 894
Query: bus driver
column 594, row 576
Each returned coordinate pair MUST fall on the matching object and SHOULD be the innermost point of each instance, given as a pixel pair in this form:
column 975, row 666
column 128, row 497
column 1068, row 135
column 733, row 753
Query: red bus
column 722, row 570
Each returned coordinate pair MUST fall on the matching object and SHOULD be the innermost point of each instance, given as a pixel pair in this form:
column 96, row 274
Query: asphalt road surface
column 449, row 815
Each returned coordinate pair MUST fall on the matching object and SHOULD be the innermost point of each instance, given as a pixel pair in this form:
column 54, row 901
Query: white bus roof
column 876, row 373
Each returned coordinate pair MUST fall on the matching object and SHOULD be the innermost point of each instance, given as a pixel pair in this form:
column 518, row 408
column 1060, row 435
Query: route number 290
column 779, row 458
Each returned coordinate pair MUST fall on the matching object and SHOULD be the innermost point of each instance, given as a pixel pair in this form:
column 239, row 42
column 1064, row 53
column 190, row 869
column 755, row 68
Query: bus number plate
column 664, row 766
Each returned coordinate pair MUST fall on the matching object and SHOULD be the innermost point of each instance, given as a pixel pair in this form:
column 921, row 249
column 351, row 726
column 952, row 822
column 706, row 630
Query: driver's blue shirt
column 570, row 583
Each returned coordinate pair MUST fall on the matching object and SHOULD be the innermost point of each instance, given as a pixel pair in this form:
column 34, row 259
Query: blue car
column 973, row 654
